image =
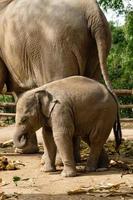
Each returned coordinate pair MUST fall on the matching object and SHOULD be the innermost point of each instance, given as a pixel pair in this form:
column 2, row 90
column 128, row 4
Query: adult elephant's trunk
column 20, row 139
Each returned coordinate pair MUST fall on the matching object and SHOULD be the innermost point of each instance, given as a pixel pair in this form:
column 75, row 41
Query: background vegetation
column 120, row 60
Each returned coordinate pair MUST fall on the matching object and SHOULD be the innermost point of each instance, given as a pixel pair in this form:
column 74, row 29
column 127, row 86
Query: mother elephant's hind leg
column 76, row 148
column 3, row 74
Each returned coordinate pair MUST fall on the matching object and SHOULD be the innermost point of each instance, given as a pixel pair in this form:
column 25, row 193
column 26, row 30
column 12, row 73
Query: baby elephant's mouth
column 20, row 140
column 23, row 139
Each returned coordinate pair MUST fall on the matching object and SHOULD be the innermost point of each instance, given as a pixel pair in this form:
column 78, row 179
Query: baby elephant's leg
column 97, row 139
column 64, row 144
column 50, row 151
column 58, row 161
column 93, row 156
column 76, row 148
column 103, row 161
column 76, row 152
column 92, row 161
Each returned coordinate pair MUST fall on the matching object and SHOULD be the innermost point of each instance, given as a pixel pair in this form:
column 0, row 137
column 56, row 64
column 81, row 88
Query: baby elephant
column 74, row 106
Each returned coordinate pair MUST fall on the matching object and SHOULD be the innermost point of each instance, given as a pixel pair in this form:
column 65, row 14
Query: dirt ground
column 34, row 183
column 113, row 184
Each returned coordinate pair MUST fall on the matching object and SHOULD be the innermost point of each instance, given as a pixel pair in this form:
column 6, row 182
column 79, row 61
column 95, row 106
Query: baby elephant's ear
column 38, row 96
column 46, row 102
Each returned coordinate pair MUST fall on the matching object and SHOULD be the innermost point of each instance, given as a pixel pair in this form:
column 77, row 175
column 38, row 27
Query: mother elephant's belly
column 38, row 61
column 63, row 61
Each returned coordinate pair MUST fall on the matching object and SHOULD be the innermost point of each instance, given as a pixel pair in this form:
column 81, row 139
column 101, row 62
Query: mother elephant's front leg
column 64, row 144
column 3, row 74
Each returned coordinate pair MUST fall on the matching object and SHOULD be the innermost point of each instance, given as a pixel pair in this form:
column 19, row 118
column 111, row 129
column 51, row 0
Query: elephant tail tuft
column 117, row 133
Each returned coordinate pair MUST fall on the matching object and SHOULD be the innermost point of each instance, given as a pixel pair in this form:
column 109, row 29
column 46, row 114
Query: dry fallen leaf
column 99, row 189
column 6, row 164
column 77, row 191
column 4, row 183
column 11, row 166
column 2, row 196
column 8, row 143
column 119, row 164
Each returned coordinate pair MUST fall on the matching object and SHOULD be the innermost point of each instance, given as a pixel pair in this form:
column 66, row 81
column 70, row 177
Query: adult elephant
column 45, row 40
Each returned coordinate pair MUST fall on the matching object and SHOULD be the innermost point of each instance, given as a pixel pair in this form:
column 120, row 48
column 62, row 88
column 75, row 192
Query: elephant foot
column 48, row 168
column 77, row 158
column 43, row 159
column 68, row 173
column 90, row 169
column 58, row 161
column 103, row 164
column 103, row 161
column 101, row 169
column 31, row 150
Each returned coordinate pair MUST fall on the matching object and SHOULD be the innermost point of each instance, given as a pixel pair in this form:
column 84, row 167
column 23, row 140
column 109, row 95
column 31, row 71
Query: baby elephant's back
column 91, row 102
column 91, row 94
column 83, row 92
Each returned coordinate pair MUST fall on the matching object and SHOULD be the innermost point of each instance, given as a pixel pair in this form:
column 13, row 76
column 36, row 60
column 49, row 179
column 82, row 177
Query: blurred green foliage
column 120, row 60
column 116, row 5
column 7, row 99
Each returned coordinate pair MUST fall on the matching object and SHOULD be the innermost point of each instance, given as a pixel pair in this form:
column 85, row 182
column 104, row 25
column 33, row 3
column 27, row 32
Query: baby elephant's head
column 32, row 110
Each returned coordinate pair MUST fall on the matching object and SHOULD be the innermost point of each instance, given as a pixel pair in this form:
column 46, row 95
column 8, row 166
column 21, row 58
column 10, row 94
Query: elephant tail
column 100, row 32
column 102, row 60
column 117, row 133
column 102, row 35
column 103, row 41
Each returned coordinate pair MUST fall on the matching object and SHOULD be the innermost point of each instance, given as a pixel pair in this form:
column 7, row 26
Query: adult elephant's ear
column 45, row 102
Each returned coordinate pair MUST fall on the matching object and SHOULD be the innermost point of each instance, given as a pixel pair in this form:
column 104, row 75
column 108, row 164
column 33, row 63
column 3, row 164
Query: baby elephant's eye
column 24, row 119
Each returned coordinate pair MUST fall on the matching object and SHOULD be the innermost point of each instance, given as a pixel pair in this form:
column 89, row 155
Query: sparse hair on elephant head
column 32, row 112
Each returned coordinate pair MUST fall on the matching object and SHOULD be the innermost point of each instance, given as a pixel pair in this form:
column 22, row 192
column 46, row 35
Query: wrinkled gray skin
column 74, row 106
column 46, row 40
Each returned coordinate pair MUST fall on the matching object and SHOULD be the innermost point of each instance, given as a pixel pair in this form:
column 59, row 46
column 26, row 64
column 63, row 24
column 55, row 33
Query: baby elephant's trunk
column 117, row 133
